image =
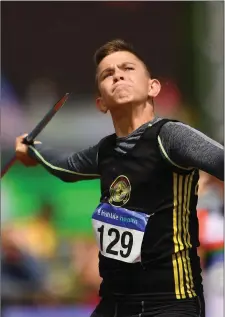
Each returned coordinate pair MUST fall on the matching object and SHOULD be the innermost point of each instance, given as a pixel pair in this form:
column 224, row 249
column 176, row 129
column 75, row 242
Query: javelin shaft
column 39, row 127
column 7, row 166
column 42, row 124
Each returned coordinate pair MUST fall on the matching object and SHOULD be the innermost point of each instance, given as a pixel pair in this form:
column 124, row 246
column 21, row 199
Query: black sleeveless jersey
column 145, row 181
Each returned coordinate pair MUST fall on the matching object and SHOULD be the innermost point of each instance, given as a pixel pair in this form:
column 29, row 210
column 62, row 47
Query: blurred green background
column 73, row 203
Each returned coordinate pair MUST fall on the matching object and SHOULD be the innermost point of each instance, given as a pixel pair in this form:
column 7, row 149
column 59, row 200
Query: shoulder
column 174, row 125
column 178, row 131
column 168, row 125
column 107, row 139
column 171, row 142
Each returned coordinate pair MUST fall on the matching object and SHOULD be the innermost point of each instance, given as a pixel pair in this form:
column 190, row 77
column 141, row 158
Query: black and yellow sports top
column 142, row 180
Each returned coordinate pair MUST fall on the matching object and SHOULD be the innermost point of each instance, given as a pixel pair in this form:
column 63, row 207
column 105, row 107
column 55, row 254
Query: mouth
column 120, row 85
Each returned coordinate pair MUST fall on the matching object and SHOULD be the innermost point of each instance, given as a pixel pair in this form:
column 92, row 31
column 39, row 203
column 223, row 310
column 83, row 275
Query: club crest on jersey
column 120, row 191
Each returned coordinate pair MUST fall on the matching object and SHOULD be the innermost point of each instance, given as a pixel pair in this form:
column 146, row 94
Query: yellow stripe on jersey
column 188, row 234
column 175, row 203
column 185, row 214
column 190, row 272
column 181, row 275
column 185, row 256
column 176, row 278
column 177, row 264
column 180, row 242
column 189, row 291
column 188, row 207
column 180, row 211
column 181, row 236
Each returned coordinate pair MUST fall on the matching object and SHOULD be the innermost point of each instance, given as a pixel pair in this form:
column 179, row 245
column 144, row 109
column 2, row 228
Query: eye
column 129, row 68
column 107, row 74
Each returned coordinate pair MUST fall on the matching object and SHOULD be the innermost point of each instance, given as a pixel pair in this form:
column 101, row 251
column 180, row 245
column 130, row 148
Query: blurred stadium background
column 49, row 257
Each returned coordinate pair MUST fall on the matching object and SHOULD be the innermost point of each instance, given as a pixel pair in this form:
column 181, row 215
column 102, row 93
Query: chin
column 123, row 100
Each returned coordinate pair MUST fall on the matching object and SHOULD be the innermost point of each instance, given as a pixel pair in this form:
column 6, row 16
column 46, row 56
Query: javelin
column 37, row 130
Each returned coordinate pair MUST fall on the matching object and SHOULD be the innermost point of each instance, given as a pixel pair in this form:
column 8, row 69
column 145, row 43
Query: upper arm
column 85, row 162
column 189, row 148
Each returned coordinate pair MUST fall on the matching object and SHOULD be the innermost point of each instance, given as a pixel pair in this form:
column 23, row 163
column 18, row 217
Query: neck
column 128, row 118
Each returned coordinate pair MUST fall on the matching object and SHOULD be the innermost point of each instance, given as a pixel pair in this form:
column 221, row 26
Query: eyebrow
column 120, row 66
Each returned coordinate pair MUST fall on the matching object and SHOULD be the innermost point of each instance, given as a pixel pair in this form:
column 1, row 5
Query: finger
column 21, row 137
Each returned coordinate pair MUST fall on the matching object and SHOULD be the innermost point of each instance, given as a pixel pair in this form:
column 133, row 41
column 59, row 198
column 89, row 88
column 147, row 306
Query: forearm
column 65, row 166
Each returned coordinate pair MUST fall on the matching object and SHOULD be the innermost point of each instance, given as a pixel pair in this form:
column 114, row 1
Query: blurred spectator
column 85, row 264
column 28, row 246
column 39, row 236
column 22, row 273
column 12, row 115
column 211, row 251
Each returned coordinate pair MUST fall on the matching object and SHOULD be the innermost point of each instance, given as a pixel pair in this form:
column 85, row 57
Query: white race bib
column 119, row 232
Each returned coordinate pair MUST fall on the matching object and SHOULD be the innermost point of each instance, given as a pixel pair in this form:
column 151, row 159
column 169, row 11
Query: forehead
column 118, row 58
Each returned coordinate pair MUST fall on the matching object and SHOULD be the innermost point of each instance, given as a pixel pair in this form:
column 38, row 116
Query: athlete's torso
column 146, row 224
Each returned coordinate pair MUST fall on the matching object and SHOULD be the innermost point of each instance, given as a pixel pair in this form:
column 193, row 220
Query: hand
column 21, row 150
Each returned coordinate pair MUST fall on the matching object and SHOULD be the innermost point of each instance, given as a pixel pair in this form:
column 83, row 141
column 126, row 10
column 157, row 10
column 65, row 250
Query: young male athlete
column 146, row 224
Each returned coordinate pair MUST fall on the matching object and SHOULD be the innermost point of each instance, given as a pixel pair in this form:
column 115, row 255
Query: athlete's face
column 124, row 79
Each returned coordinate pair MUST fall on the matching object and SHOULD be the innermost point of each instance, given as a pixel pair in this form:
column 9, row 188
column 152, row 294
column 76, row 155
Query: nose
column 118, row 75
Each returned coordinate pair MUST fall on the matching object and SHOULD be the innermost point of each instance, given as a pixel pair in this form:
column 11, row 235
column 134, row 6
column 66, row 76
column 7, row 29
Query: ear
column 154, row 88
column 101, row 105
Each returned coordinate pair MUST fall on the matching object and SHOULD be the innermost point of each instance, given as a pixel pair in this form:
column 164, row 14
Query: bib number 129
column 126, row 240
